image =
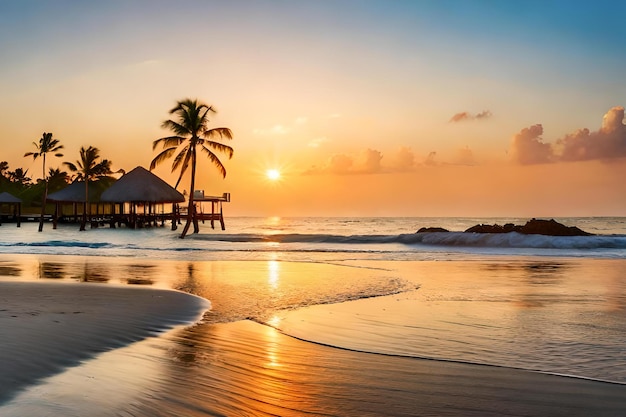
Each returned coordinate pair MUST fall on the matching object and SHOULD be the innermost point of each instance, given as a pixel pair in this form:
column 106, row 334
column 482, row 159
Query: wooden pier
column 217, row 212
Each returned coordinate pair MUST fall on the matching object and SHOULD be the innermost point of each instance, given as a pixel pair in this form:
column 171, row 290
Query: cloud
column 609, row 142
column 528, row 146
column 371, row 163
column 463, row 116
column 464, row 156
column 404, row 160
column 340, row 164
column 430, row 159
column 317, row 142
column 368, row 162
column 274, row 130
column 281, row 129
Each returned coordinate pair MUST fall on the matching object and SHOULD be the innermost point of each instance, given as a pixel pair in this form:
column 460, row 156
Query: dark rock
column 532, row 227
column 432, row 230
column 551, row 228
column 496, row 228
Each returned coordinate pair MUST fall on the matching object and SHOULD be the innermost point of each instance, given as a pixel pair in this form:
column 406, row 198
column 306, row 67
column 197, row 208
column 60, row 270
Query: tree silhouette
column 45, row 146
column 191, row 132
column 87, row 169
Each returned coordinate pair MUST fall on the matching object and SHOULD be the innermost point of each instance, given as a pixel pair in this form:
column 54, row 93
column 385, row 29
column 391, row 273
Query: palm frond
column 179, row 128
column 71, row 166
column 216, row 161
column 220, row 147
column 167, row 142
column 183, row 158
column 183, row 169
column 166, row 154
column 222, row 132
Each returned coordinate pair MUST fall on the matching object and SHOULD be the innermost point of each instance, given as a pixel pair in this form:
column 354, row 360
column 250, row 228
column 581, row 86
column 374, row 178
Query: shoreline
column 247, row 368
column 48, row 327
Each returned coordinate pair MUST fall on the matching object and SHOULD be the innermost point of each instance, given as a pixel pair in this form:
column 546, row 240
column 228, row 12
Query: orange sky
column 367, row 108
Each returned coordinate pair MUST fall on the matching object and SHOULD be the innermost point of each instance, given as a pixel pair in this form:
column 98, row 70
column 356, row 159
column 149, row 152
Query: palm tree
column 57, row 179
column 191, row 132
column 88, row 168
column 45, row 146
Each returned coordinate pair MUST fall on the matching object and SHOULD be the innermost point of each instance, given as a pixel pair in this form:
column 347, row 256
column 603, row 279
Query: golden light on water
column 273, row 278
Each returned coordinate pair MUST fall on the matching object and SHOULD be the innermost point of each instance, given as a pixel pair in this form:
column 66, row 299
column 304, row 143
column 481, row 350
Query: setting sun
column 272, row 174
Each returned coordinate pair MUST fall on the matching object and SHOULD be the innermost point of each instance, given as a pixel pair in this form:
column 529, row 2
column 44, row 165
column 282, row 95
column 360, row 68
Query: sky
column 365, row 108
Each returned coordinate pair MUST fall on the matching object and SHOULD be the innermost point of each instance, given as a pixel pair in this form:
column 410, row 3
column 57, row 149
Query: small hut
column 74, row 195
column 145, row 197
column 14, row 205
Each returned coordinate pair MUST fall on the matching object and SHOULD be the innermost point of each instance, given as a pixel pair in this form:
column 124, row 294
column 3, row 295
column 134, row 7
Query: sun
column 272, row 174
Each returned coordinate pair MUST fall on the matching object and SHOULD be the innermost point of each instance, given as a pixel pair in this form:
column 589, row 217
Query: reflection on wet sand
column 51, row 270
column 9, row 269
column 245, row 368
column 140, row 274
column 93, row 272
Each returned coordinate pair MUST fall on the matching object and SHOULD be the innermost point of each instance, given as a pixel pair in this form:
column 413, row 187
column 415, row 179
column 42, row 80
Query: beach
column 242, row 368
column 134, row 323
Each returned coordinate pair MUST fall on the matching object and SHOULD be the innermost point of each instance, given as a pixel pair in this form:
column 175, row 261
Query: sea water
column 544, row 303
column 250, row 238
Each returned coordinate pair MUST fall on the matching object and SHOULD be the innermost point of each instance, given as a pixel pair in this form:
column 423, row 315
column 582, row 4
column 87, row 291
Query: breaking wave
column 488, row 240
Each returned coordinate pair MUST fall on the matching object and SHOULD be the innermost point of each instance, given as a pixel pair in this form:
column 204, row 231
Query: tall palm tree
column 87, row 169
column 191, row 132
column 45, row 146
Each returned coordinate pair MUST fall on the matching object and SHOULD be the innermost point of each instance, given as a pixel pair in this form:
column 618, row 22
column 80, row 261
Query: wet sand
column 240, row 368
column 47, row 327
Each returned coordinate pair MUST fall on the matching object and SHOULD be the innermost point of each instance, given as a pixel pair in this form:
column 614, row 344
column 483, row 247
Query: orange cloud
column 460, row 117
column 607, row 143
column 583, row 145
column 528, row 146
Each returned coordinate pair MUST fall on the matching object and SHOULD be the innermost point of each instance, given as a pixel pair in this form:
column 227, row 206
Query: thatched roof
column 9, row 198
column 75, row 192
column 141, row 186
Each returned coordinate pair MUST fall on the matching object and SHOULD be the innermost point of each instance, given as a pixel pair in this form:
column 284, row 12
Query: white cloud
column 317, row 142
column 274, row 130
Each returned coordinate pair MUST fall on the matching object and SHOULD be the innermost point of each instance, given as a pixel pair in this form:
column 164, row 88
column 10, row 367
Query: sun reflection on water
column 273, row 273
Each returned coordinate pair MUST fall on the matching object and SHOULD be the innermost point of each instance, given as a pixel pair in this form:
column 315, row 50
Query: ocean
column 555, row 305
column 322, row 239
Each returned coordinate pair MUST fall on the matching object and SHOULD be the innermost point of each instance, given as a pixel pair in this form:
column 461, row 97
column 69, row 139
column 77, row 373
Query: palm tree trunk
column 45, row 195
column 43, row 205
column 191, row 212
column 85, row 205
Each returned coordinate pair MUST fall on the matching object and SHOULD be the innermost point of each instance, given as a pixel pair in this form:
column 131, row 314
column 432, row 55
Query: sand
column 240, row 368
column 46, row 327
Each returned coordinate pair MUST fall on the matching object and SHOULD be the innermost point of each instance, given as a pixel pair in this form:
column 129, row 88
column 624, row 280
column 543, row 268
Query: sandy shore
column 46, row 327
column 239, row 368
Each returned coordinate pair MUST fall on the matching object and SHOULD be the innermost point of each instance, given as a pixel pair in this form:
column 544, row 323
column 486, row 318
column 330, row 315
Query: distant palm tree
column 19, row 177
column 57, row 179
column 45, row 146
column 87, row 169
column 191, row 131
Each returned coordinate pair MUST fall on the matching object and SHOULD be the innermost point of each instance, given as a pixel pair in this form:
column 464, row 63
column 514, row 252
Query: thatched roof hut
column 8, row 198
column 75, row 192
column 14, row 203
column 141, row 186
